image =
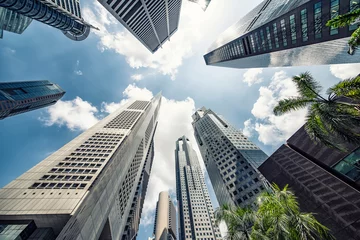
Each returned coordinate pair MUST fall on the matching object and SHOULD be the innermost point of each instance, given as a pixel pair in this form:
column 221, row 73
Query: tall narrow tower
column 230, row 158
column 64, row 15
column 152, row 22
column 165, row 218
column 196, row 213
column 86, row 190
column 20, row 97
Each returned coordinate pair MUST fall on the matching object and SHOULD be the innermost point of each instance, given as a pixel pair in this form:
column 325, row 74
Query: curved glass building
column 64, row 15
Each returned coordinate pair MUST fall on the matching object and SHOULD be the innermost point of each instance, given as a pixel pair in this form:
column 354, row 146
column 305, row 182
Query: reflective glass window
column 257, row 43
column 276, row 35
column 283, row 32
column 350, row 165
column 304, row 25
column 293, row 29
column 252, row 43
column 268, row 37
column 354, row 4
column 334, row 12
column 318, row 20
column 262, row 39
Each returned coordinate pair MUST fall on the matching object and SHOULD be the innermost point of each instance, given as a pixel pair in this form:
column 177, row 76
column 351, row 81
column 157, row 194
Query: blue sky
column 111, row 65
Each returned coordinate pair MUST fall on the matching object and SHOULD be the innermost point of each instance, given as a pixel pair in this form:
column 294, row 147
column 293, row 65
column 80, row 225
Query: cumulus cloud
column 167, row 59
column 274, row 130
column 137, row 77
column 252, row 76
column 344, row 71
column 75, row 114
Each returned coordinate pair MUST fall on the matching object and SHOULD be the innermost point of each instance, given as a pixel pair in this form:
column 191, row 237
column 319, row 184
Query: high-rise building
column 152, row 22
column 195, row 211
column 165, row 218
column 64, row 15
column 20, row 97
column 203, row 3
column 230, row 159
column 325, row 181
column 86, row 189
column 285, row 33
column 12, row 22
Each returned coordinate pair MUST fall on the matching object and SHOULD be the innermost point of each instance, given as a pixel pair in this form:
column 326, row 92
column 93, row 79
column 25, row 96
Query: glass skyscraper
column 231, row 160
column 12, row 22
column 64, row 15
column 203, row 3
column 152, row 22
column 20, row 97
column 196, row 213
column 87, row 189
column 285, row 33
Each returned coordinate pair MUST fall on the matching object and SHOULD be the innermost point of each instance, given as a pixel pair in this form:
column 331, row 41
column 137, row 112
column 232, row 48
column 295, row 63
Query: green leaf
column 345, row 19
column 347, row 88
column 290, row 104
column 306, row 85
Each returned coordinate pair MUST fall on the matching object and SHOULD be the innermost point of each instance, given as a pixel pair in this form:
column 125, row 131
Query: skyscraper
column 203, row 3
column 324, row 180
column 195, row 211
column 285, row 33
column 230, row 159
column 12, row 22
column 152, row 22
column 165, row 218
column 20, row 97
column 86, row 189
column 64, row 15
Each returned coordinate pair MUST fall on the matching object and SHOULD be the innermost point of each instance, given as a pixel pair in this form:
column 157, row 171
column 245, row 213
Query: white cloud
column 137, row 77
column 77, row 71
column 251, row 76
column 344, row 71
column 274, row 130
column 76, row 114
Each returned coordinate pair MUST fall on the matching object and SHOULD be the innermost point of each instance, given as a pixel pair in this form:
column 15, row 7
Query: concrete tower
column 165, row 218
column 196, row 213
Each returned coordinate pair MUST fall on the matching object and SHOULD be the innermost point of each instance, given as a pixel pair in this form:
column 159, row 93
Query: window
column 276, row 35
column 252, row 43
column 293, row 29
column 268, row 37
column 283, row 31
column 318, row 20
column 354, row 4
column 262, row 39
column 350, row 165
column 304, row 27
column 334, row 12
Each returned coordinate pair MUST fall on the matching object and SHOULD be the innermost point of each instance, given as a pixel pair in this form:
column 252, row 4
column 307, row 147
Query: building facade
column 20, row 97
column 64, row 15
column 165, row 218
column 152, row 22
column 202, row 3
column 12, row 22
column 285, row 33
column 230, row 159
column 195, row 211
column 325, row 181
column 86, row 189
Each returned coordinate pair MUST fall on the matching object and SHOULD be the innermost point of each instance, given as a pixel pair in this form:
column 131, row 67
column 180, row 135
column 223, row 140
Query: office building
column 202, row 3
column 195, row 211
column 230, row 159
column 20, row 97
column 280, row 33
column 86, row 189
column 325, row 181
column 12, row 22
column 152, row 22
column 64, row 15
column 165, row 218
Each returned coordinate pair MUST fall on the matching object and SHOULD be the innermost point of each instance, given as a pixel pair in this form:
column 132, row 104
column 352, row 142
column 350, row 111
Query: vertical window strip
column 262, row 39
column 276, row 35
column 257, row 42
column 318, row 20
column 334, row 12
column 354, row 4
column 304, row 26
column 283, row 31
column 293, row 29
column 268, row 37
column 252, row 43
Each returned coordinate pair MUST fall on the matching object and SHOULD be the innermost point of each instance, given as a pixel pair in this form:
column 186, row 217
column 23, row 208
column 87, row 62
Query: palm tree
column 346, row 20
column 329, row 120
column 277, row 217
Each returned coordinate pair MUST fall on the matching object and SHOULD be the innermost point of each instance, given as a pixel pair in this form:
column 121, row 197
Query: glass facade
column 286, row 29
column 354, row 4
column 13, row 22
column 19, row 97
column 350, row 165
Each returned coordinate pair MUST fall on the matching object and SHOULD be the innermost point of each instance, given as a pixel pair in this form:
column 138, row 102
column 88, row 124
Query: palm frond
column 307, row 86
column 347, row 88
column 345, row 19
column 290, row 104
column 354, row 41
